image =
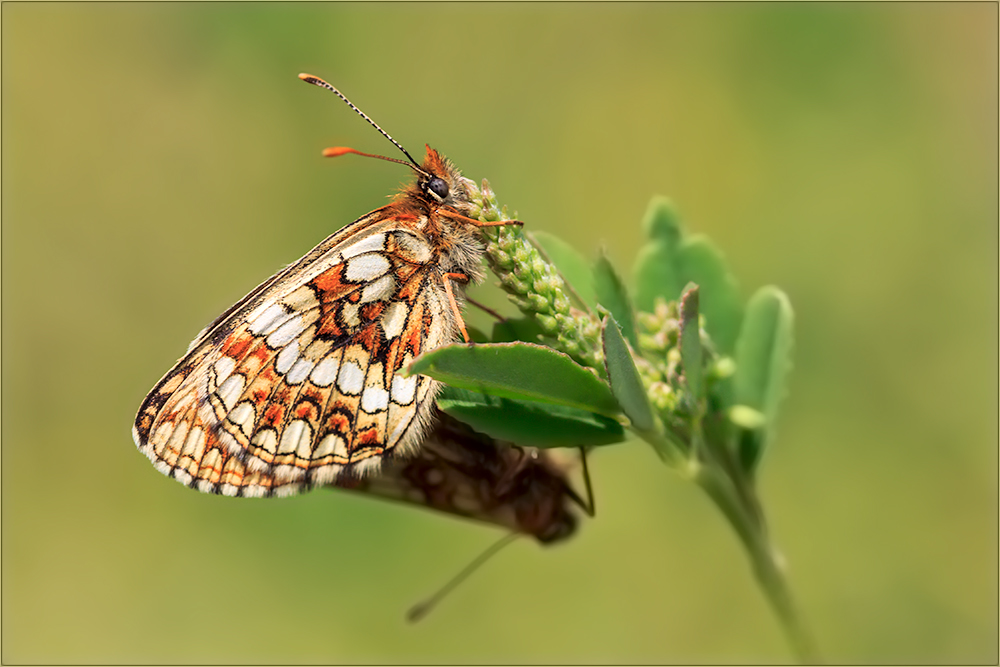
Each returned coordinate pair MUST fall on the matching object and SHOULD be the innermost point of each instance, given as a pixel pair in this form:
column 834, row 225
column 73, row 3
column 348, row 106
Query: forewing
column 296, row 385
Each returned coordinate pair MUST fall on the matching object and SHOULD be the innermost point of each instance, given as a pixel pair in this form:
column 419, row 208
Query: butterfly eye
column 438, row 188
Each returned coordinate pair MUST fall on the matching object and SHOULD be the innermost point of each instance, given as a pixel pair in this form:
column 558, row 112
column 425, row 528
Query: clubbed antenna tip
column 316, row 81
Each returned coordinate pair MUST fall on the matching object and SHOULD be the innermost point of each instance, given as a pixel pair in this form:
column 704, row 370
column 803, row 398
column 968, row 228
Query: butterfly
column 462, row 472
column 299, row 384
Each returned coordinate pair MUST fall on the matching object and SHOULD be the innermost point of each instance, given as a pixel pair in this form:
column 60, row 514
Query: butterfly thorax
column 457, row 243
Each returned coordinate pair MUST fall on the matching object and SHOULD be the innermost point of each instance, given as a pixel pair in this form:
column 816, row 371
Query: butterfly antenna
column 316, row 81
column 421, row 609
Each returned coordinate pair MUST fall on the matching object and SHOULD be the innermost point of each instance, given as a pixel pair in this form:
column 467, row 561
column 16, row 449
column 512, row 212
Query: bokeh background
column 160, row 160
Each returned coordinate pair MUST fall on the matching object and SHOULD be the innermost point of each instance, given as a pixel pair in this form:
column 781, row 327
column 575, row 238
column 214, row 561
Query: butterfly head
column 558, row 530
column 440, row 183
column 539, row 498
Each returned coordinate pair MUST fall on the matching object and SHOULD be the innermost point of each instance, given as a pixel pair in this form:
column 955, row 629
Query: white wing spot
column 381, row 289
column 244, row 416
column 404, row 389
column 325, row 372
column 223, row 369
column 300, row 371
column 374, row 399
column 297, row 437
column 269, row 320
column 287, row 332
column 332, row 444
column 304, row 450
column 393, row 319
column 371, row 243
column 287, row 357
column 231, row 390
column 352, row 379
column 266, row 439
column 364, row 268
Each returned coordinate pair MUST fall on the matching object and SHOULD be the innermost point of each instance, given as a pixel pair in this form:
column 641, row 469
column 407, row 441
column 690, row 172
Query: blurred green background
column 161, row 160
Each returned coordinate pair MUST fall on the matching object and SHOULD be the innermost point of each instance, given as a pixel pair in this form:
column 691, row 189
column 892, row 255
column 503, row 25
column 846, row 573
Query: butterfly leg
column 446, row 279
column 590, row 507
column 478, row 223
column 487, row 310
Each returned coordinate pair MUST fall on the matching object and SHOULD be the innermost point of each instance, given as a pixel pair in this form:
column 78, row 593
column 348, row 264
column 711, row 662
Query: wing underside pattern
column 300, row 384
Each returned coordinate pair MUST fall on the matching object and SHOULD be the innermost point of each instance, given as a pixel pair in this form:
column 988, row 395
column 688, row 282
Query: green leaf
column 656, row 272
column 522, row 328
column 699, row 261
column 670, row 260
column 572, row 266
column 613, row 295
column 763, row 360
column 518, row 370
column 690, row 342
column 661, row 221
column 529, row 423
column 624, row 377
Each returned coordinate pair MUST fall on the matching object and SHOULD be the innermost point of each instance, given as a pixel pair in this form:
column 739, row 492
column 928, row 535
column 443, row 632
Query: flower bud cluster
column 659, row 363
column 535, row 286
column 661, row 369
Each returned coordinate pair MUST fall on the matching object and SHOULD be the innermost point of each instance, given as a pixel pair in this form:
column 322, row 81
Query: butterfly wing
column 296, row 384
column 461, row 472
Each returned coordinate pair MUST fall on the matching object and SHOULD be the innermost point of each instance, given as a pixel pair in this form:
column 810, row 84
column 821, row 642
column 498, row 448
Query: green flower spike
column 535, row 286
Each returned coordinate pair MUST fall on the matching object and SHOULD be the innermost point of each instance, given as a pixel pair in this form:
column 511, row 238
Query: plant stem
column 767, row 563
column 740, row 507
column 670, row 450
